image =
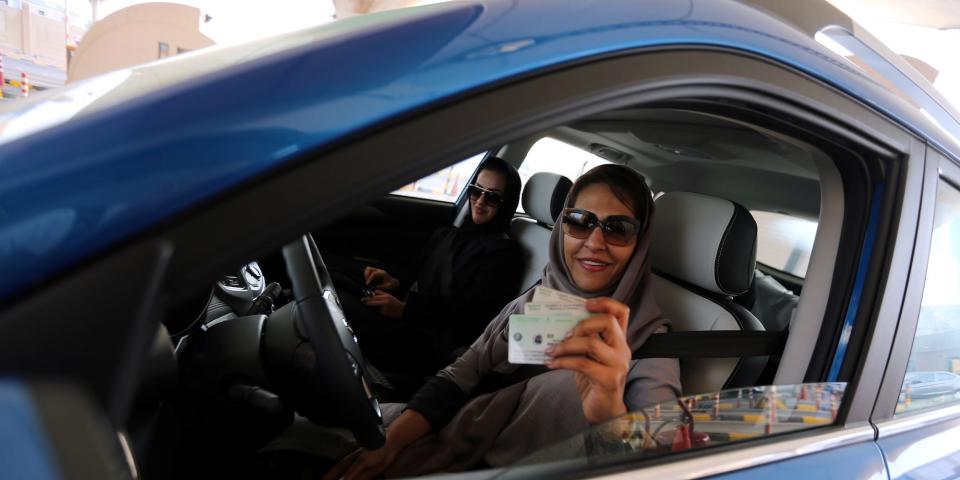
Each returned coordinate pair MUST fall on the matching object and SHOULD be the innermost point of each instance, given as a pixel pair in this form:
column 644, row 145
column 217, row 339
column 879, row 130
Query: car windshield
column 688, row 423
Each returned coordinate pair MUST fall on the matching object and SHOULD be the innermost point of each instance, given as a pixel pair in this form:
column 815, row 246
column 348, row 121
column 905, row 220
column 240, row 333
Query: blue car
column 166, row 307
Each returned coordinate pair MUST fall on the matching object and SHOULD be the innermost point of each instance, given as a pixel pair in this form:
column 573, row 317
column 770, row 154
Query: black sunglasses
column 619, row 230
column 476, row 191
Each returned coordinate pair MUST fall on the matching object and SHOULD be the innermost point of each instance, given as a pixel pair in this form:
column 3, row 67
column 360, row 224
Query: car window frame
column 938, row 168
column 306, row 192
column 885, row 137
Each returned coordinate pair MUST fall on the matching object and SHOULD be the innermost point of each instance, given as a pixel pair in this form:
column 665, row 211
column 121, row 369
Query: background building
column 138, row 34
column 34, row 35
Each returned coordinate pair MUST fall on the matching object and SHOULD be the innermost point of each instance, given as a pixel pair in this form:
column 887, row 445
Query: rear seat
column 542, row 200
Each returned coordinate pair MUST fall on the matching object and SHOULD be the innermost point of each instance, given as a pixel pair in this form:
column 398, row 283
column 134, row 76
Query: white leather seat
column 703, row 253
column 542, row 199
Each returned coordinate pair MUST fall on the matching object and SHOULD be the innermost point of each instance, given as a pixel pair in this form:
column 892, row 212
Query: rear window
column 552, row 155
column 784, row 242
column 444, row 185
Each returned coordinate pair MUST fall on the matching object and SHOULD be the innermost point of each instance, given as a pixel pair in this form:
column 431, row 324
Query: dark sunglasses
column 619, row 230
column 476, row 191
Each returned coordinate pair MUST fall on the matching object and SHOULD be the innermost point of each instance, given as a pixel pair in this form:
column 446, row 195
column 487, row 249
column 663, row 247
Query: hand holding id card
column 545, row 322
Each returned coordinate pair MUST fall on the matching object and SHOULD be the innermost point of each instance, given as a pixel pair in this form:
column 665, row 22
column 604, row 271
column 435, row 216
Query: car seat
column 542, row 200
column 703, row 253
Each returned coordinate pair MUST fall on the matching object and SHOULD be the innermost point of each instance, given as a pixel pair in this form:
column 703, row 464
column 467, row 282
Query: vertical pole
column 24, row 85
column 66, row 34
column 771, row 409
column 716, row 406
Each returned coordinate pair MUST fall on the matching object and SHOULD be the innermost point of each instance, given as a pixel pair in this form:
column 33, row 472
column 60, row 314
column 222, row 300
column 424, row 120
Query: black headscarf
column 511, row 198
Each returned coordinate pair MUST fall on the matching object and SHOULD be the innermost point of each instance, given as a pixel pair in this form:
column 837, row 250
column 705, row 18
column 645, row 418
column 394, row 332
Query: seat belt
column 712, row 344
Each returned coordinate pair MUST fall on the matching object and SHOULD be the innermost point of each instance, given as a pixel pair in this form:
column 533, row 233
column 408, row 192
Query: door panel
column 852, row 462
column 927, row 452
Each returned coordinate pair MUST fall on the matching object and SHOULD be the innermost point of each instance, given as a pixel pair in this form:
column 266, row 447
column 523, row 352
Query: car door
column 918, row 422
column 541, row 102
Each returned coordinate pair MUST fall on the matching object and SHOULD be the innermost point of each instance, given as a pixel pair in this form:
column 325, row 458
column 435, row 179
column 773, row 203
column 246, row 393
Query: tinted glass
column 690, row 423
column 936, row 346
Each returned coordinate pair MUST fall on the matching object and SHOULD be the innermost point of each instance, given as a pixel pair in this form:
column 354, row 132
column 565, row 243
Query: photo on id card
column 530, row 336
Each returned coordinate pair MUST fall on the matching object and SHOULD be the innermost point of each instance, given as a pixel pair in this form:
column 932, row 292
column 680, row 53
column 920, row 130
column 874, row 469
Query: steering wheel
column 339, row 363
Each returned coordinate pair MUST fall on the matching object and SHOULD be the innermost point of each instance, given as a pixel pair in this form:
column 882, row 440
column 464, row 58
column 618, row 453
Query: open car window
column 689, row 423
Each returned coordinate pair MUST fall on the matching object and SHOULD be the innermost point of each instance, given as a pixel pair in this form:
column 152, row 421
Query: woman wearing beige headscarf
column 482, row 410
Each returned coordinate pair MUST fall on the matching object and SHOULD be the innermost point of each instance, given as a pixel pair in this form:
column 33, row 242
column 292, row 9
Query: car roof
column 127, row 150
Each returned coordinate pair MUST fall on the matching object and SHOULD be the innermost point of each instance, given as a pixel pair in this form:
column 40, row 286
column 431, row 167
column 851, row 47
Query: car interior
column 233, row 367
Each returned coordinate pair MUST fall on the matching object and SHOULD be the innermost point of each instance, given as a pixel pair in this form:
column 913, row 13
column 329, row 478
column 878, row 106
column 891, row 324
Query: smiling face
column 593, row 263
column 483, row 210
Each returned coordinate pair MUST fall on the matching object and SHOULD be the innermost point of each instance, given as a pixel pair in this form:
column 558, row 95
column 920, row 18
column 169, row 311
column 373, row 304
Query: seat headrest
column 706, row 241
column 543, row 196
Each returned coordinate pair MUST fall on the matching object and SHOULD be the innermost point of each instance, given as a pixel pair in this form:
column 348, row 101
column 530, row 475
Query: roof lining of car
column 743, row 155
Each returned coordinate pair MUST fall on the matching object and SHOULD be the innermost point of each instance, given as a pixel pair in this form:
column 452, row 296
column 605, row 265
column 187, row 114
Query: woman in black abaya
column 468, row 274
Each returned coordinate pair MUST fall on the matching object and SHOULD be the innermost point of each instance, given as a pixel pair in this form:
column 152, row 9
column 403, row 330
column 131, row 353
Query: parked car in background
column 931, row 384
column 145, row 215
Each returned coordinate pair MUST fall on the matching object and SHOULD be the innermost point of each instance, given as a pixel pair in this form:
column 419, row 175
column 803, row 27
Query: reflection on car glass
column 694, row 422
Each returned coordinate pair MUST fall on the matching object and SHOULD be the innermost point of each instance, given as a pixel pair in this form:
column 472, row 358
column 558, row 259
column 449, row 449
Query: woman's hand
column 597, row 351
column 379, row 278
column 388, row 305
column 406, row 429
column 363, row 464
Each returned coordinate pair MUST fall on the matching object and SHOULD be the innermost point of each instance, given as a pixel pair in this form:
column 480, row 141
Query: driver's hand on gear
column 363, row 464
column 597, row 352
column 388, row 305
column 380, row 279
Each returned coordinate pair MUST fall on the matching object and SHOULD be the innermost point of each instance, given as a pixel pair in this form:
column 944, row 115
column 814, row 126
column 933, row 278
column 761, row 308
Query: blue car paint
column 924, row 453
column 25, row 451
column 861, row 461
column 76, row 189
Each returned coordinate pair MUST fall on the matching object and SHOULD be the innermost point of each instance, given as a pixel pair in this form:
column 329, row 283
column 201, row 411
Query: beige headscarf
column 507, row 424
